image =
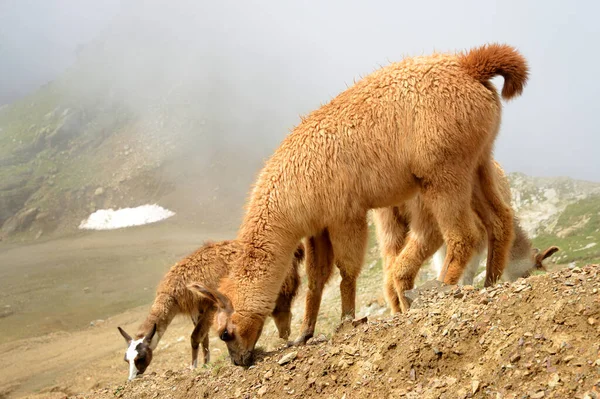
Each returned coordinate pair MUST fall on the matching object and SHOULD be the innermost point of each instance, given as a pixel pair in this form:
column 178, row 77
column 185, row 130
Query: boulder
column 20, row 221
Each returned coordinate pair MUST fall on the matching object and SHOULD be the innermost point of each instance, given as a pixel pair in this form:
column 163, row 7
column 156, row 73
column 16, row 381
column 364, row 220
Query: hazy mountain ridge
column 559, row 211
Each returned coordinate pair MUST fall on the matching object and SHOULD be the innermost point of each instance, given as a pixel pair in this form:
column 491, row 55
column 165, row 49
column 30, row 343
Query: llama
column 208, row 265
column 425, row 124
column 393, row 235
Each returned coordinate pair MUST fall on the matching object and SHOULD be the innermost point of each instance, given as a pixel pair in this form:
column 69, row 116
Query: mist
column 247, row 70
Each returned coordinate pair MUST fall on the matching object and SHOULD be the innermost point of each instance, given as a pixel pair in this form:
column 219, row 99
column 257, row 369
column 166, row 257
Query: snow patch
column 108, row 219
column 590, row 245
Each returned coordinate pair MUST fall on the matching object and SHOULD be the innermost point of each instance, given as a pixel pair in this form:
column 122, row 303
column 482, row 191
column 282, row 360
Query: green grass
column 21, row 121
column 585, row 216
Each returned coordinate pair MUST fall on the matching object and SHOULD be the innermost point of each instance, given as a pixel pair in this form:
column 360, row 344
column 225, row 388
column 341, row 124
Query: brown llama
column 397, row 227
column 425, row 124
column 208, row 265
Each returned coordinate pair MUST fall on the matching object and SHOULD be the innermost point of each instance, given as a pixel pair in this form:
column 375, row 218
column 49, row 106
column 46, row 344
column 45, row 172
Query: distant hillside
column 560, row 211
column 134, row 122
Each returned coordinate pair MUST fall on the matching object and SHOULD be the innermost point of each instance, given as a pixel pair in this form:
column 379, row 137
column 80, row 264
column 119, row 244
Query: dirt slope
column 536, row 338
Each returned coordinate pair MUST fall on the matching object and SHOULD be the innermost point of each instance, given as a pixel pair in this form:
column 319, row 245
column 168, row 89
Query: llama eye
column 225, row 336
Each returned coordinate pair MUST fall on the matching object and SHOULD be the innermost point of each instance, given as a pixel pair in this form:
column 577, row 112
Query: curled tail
column 485, row 62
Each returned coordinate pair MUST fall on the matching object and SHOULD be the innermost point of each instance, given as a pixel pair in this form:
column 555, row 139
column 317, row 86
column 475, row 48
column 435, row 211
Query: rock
column 350, row 350
column 288, row 358
column 537, row 395
column 515, row 358
column 87, row 290
column 554, row 380
column 591, row 321
column 99, row 191
column 474, row 386
column 21, row 221
column 262, row 391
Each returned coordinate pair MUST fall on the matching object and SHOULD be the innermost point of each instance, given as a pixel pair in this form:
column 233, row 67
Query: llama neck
column 163, row 310
column 261, row 270
column 270, row 237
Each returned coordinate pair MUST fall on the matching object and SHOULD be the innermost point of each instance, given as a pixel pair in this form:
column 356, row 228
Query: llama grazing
column 393, row 235
column 208, row 265
column 425, row 124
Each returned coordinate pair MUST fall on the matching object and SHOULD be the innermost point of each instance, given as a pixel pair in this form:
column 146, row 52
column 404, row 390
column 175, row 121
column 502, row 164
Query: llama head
column 139, row 352
column 533, row 263
column 239, row 331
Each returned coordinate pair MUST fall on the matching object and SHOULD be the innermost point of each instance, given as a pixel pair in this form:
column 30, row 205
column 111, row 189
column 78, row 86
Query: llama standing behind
column 175, row 295
column 425, row 124
column 398, row 226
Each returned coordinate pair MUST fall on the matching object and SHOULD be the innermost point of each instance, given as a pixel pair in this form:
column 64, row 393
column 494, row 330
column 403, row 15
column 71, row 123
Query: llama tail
column 485, row 62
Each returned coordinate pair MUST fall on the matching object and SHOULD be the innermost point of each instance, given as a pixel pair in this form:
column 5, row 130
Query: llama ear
column 547, row 253
column 213, row 295
column 150, row 335
column 125, row 335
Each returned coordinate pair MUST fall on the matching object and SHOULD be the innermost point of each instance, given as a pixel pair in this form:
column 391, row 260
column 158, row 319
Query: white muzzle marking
column 130, row 355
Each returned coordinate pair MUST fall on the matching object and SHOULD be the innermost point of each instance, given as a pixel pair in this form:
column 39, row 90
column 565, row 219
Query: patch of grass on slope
column 577, row 232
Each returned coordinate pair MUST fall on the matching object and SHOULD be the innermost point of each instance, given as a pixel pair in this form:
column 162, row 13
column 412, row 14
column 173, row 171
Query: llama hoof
column 302, row 340
column 194, row 365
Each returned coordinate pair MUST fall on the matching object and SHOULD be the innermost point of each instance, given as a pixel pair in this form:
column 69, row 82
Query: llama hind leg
column 389, row 290
column 282, row 315
column 319, row 266
column 500, row 224
column 349, row 242
column 471, row 270
column 462, row 230
column 391, row 227
column 423, row 240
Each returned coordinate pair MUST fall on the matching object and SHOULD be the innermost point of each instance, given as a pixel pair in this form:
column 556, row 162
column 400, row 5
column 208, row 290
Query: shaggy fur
column 425, row 124
column 392, row 228
column 208, row 265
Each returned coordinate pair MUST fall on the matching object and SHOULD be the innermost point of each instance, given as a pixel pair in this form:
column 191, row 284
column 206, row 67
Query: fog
column 253, row 67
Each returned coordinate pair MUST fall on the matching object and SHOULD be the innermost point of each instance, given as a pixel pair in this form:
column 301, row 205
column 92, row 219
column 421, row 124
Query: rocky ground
column 535, row 338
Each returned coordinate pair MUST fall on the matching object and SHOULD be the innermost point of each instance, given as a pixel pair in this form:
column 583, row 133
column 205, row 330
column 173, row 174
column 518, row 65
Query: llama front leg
column 200, row 335
column 319, row 265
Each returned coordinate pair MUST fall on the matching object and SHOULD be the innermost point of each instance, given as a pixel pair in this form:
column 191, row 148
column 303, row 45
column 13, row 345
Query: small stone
column 591, row 321
column 99, row 191
column 474, row 386
column 288, row 358
column 554, row 380
column 262, row 391
column 268, row 375
column 515, row 358
column 537, row 395
column 349, row 350
column 567, row 359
